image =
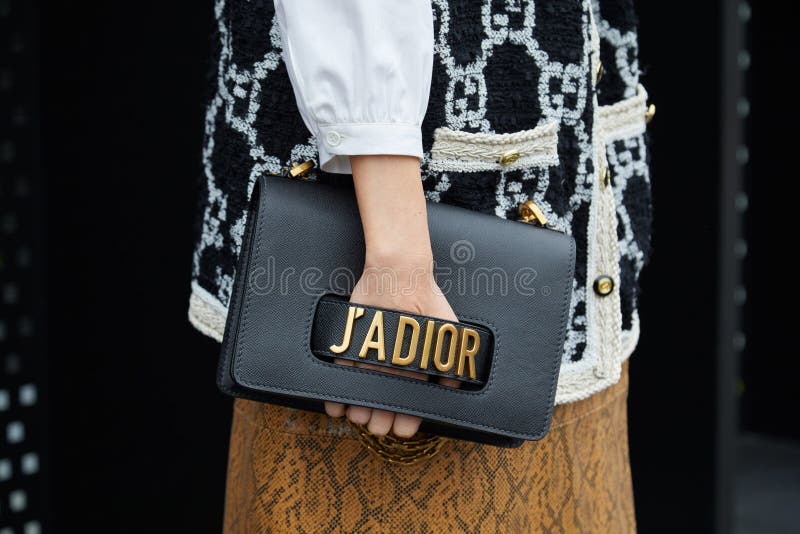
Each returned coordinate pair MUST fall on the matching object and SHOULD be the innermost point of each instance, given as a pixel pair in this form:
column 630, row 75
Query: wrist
column 402, row 259
column 398, row 280
column 391, row 203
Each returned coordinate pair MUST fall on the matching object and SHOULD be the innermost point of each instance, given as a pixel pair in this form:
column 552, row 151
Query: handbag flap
column 304, row 241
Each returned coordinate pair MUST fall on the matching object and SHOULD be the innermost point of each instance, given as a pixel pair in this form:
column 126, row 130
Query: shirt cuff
column 336, row 142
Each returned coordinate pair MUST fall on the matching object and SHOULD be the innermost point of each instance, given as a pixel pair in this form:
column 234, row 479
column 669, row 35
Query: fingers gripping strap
column 401, row 340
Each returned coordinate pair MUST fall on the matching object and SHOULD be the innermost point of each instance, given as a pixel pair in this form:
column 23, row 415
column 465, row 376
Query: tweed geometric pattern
column 500, row 67
column 628, row 158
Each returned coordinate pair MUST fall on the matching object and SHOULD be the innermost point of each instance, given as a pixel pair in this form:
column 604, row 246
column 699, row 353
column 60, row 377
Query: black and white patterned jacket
column 500, row 67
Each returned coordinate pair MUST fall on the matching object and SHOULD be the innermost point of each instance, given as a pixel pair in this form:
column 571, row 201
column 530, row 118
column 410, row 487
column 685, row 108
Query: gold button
column 650, row 113
column 529, row 212
column 603, row 285
column 507, row 158
column 300, row 170
column 598, row 73
column 605, row 174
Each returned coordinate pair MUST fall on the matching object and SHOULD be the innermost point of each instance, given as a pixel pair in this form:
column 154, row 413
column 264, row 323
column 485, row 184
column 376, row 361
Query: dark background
column 121, row 89
column 770, row 365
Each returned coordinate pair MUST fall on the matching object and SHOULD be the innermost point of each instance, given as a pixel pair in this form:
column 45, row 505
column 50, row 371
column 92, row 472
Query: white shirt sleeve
column 361, row 73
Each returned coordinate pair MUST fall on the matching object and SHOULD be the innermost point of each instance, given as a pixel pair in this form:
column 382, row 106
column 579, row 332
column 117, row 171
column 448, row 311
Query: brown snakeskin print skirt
column 293, row 471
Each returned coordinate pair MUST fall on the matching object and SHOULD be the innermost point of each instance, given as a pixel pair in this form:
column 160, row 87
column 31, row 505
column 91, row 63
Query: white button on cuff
column 333, row 138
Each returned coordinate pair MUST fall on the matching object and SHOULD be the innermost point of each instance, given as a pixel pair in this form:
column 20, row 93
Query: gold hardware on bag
column 650, row 113
column 400, row 451
column 598, row 74
column 507, row 158
column 300, row 170
column 459, row 348
column 606, row 177
column 604, row 285
column 530, row 213
column 353, row 313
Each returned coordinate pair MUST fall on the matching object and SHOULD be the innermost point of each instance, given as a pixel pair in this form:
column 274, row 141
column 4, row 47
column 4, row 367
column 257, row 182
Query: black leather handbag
column 508, row 282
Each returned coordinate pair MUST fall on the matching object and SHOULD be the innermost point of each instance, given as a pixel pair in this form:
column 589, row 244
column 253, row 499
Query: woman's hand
column 398, row 267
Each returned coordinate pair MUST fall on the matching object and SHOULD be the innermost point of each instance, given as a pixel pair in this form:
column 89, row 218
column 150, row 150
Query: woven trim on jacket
column 470, row 152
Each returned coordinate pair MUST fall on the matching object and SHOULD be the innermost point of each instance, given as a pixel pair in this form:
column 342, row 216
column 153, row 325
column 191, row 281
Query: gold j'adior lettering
column 426, row 345
column 374, row 339
column 353, row 313
column 451, row 353
column 468, row 354
column 451, row 348
column 408, row 359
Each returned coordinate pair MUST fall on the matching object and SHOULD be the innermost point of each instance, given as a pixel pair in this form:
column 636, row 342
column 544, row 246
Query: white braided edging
column 206, row 313
column 458, row 151
column 576, row 380
column 625, row 118
column 630, row 338
column 603, row 314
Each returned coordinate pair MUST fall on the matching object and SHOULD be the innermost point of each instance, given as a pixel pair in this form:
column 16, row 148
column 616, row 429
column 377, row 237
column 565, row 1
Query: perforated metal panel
column 732, row 294
column 22, row 372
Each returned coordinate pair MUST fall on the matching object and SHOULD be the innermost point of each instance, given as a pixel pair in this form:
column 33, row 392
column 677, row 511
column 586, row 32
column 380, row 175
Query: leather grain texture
column 514, row 280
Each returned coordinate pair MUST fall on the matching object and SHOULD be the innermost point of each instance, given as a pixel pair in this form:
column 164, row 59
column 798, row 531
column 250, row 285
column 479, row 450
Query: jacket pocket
column 496, row 173
column 454, row 150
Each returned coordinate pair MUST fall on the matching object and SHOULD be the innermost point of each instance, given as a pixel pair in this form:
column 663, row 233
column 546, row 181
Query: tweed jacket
column 556, row 82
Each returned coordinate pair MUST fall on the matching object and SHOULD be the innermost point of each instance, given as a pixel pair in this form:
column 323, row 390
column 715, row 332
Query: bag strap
column 401, row 340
